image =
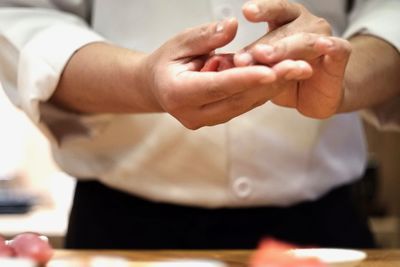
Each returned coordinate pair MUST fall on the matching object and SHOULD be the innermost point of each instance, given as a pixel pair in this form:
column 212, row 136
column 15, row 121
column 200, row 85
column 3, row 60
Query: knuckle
column 184, row 36
column 342, row 48
column 204, row 32
column 281, row 48
column 190, row 124
column 273, row 9
column 323, row 26
column 309, row 39
column 275, row 36
column 347, row 46
column 281, row 5
column 201, row 34
column 185, row 32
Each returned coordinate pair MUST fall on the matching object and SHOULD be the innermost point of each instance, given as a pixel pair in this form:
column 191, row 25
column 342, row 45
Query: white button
column 242, row 186
column 224, row 11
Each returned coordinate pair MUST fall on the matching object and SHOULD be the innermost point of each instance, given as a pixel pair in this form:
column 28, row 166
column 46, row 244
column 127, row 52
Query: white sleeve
column 386, row 116
column 35, row 45
column 376, row 17
column 379, row 18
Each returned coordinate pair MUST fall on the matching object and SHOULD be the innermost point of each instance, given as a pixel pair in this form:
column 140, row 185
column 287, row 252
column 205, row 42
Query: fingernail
column 252, row 7
column 302, row 65
column 244, row 59
column 327, row 42
column 220, row 27
column 265, row 49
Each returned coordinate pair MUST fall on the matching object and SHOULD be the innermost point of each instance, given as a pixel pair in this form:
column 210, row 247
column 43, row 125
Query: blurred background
column 35, row 195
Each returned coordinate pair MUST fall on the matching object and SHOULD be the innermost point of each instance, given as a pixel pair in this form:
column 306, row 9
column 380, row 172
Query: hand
column 172, row 75
column 322, row 95
column 284, row 19
column 299, row 35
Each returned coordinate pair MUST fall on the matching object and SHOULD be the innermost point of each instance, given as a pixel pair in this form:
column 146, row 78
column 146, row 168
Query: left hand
column 289, row 18
column 299, row 35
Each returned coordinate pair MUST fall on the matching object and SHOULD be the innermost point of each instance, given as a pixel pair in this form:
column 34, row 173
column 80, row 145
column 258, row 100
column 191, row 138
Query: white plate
column 121, row 262
column 14, row 262
column 332, row 256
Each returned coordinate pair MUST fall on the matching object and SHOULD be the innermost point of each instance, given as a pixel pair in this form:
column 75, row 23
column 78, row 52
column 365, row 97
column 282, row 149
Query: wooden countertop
column 233, row 258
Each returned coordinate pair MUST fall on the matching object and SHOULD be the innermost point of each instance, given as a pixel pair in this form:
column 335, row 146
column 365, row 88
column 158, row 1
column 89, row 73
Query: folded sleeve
column 376, row 17
column 379, row 18
column 35, row 45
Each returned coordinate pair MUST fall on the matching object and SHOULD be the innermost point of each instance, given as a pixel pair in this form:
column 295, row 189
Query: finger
column 234, row 105
column 207, row 87
column 218, row 62
column 226, row 109
column 304, row 46
column 322, row 101
column 288, row 73
column 287, row 98
column 275, row 12
column 243, row 58
column 195, row 65
column 338, row 51
column 202, row 40
column 293, row 70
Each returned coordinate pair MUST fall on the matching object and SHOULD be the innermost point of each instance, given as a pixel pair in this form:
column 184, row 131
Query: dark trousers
column 104, row 218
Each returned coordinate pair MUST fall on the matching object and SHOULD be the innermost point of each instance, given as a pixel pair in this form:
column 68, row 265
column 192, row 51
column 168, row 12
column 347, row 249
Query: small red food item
column 5, row 250
column 219, row 62
column 32, row 246
column 272, row 253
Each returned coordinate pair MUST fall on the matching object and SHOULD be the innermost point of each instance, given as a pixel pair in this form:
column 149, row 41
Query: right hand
column 172, row 76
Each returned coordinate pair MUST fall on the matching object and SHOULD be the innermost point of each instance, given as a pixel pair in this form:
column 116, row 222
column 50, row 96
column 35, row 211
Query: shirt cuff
column 385, row 117
column 41, row 63
column 378, row 18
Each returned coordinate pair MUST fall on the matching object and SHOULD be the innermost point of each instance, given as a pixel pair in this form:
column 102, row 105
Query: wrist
column 137, row 83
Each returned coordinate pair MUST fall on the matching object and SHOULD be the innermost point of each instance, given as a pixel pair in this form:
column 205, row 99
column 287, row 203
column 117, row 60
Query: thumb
column 203, row 39
column 275, row 12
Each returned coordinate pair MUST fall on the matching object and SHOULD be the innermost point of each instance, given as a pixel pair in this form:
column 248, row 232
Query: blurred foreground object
column 14, row 201
column 272, row 253
column 30, row 246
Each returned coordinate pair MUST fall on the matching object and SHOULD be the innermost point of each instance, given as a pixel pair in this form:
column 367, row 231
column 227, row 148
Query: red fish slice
column 272, row 253
column 219, row 62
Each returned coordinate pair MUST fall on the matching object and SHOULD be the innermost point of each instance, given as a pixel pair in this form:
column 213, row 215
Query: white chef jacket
column 268, row 156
